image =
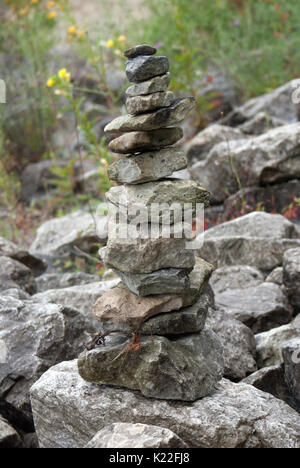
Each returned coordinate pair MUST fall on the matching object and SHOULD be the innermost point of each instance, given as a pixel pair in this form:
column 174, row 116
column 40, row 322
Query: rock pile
column 164, row 296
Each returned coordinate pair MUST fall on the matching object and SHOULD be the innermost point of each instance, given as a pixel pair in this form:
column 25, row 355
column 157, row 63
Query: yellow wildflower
column 122, row 38
column 50, row 82
column 104, row 162
column 80, row 33
column 72, row 30
column 24, row 11
column 50, row 4
column 110, row 43
column 64, row 74
column 34, row 2
column 51, row 15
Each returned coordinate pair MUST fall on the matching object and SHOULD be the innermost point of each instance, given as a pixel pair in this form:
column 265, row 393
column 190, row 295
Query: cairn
column 154, row 336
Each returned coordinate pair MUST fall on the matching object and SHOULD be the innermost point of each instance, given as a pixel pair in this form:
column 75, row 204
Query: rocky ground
column 46, row 316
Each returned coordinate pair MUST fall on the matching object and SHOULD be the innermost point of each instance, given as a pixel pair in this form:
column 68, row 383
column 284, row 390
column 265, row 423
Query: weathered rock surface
column 9, row 249
column 147, row 255
column 276, row 276
column 140, row 49
column 59, row 236
column 167, row 191
column 9, row 438
column 291, row 359
column 260, row 123
column 250, row 418
column 271, row 380
column 81, row 297
column 185, row 368
column 277, row 103
column 14, row 274
column 260, row 307
column 265, row 159
column 155, row 85
column 165, row 117
column 147, row 167
column 235, row 277
column 165, row 281
column 144, row 67
column 269, row 344
column 63, row 280
column 199, row 147
column 34, row 337
column 134, row 142
column 257, row 239
column 237, row 341
column 139, row 104
column 291, row 276
column 126, row 435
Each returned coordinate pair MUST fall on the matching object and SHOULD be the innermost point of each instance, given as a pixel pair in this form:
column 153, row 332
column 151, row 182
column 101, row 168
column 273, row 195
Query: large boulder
column 68, row 412
column 257, row 239
column 265, row 159
column 269, row 344
column 291, row 359
column 9, row 249
column 235, row 277
column 260, row 123
column 34, row 337
column 260, row 307
column 122, row 435
column 14, row 274
column 182, row 368
column 238, row 344
column 291, row 276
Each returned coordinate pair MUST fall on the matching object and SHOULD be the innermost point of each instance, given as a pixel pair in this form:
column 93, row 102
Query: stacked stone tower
column 153, row 322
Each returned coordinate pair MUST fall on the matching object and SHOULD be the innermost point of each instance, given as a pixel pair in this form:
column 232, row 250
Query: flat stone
column 149, row 197
column 165, row 117
column 140, row 49
column 269, row 344
column 147, row 167
column 260, row 307
column 144, row 67
column 139, row 104
column 147, row 255
column 155, row 85
column 233, row 416
column 165, row 281
column 185, row 368
column 135, row 142
column 126, row 435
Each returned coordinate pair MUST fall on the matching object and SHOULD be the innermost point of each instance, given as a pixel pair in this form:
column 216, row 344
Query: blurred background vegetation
column 64, row 70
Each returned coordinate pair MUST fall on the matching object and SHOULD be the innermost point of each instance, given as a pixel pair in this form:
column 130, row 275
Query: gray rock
column 147, row 167
column 14, row 274
column 235, row 277
column 155, row 85
column 37, row 179
column 81, row 297
column 260, row 123
column 141, row 49
column 277, row 103
column 291, row 276
column 9, row 249
column 134, row 142
column 260, row 307
column 31, row 440
column 59, row 236
column 168, row 192
column 144, row 67
column 165, row 281
column 68, row 412
column 9, row 438
column 237, row 341
column 147, row 255
column 126, row 435
column 63, row 280
column 291, row 359
column 276, row 276
column 34, row 337
column 199, row 147
column 271, row 380
column 139, row 104
column 182, row 369
column 265, row 159
column 165, row 117
column 269, row 344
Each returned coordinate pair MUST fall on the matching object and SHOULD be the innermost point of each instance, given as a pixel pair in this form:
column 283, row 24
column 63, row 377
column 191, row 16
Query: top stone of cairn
column 142, row 49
